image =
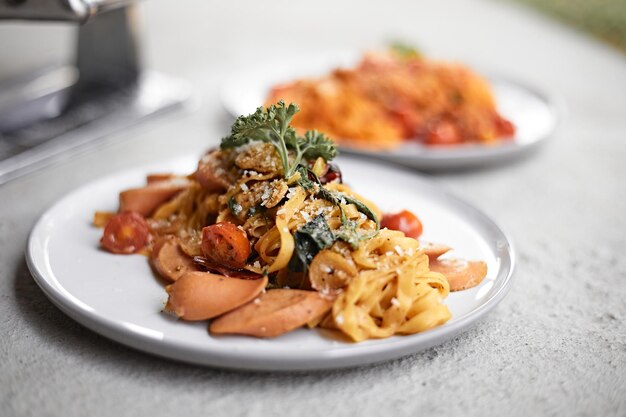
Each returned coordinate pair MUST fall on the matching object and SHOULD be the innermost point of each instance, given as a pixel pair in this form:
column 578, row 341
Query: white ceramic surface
column 119, row 297
column 533, row 111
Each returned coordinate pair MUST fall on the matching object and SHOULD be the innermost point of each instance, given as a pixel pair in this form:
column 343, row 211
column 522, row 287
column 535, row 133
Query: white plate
column 119, row 297
column 534, row 113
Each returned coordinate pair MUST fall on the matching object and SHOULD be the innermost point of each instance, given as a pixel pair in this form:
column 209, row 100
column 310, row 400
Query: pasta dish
column 264, row 237
column 395, row 96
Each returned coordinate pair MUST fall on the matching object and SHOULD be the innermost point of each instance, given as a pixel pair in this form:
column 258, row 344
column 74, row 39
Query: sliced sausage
column 434, row 250
column 170, row 261
column 273, row 313
column 159, row 177
column 461, row 274
column 202, row 295
column 212, row 174
column 147, row 199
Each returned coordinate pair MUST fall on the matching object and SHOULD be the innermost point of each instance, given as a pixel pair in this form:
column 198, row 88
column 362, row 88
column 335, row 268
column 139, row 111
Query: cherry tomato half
column 226, row 244
column 333, row 174
column 443, row 132
column 505, row 128
column 125, row 233
column 404, row 221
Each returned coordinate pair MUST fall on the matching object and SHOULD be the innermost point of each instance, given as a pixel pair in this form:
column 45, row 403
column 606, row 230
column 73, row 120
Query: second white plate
column 535, row 113
column 119, row 296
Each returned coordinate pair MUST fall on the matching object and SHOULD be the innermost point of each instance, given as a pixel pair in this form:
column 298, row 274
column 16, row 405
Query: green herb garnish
column 348, row 232
column 310, row 239
column 234, row 206
column 255, row 210
column 271, row 125
column 337, row 198
column 404, row 50
column 362, row 208
column 316, row 236
column 304, row 181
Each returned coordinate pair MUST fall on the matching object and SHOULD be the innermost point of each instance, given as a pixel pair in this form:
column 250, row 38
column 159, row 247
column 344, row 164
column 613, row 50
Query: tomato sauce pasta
column 391, row 97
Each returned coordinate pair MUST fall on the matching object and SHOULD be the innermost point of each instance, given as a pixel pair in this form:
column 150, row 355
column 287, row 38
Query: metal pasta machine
column 49, row 113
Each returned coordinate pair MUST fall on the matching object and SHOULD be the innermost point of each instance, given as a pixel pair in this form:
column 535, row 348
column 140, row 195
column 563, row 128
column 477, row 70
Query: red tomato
column 333, row 174
column 404, row 221
column 126, row 232
column 505, row 128
column 443, row 132
column 226, row 244
column 406, row 116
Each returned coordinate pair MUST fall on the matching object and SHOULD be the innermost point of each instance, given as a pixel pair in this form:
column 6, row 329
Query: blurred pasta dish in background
column 394, row 96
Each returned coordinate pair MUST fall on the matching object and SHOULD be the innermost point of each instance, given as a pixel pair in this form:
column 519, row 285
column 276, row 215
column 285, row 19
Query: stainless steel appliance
column 47, row 114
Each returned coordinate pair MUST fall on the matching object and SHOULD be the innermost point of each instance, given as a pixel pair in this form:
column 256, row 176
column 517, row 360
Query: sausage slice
column 147, row 199
column 434, row 250
column 461, row 274
column 202, row 295
column 170, row 261
column 273, row 313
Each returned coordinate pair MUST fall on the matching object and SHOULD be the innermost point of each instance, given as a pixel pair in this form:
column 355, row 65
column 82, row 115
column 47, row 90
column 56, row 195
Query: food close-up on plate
column 404, row 108
column 337, row 208
column 264, row 239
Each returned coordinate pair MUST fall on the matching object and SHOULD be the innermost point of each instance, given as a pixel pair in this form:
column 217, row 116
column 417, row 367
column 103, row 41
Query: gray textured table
column 555, row 346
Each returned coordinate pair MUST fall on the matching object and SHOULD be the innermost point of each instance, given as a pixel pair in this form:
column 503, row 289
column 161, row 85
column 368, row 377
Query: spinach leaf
column 363, row 209
column 234, row 206
column 308, row 179
column 310, row 239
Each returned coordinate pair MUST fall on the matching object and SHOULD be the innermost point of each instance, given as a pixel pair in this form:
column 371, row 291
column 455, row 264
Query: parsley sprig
column 271, row 125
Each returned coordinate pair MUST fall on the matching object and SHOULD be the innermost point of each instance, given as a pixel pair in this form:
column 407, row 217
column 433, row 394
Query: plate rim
column 348, row 356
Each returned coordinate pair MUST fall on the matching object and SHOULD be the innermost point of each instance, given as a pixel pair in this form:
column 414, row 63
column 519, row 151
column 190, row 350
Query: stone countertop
column 556, row 345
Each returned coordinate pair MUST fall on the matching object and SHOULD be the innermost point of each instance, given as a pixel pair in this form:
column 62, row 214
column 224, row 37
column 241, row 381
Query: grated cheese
column 267, row 192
